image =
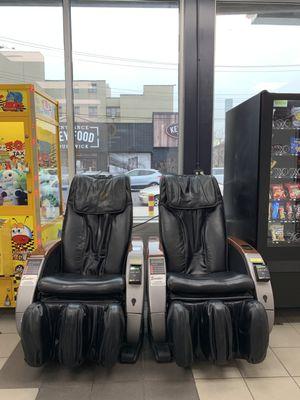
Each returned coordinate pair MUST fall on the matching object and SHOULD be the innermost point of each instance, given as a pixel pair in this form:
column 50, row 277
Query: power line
column 86, row 54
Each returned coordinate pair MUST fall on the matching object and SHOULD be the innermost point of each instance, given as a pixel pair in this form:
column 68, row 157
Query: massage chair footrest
column 72, row 333
column 217, row 331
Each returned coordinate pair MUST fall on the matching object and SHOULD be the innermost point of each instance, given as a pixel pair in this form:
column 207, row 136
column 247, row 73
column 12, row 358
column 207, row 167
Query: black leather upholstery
column 97, row 226
column 212, row 312
column 78, row 311
column 218, row 331
column 214, row 283
column 72, row 333
column 192, row 224
column 70, row 284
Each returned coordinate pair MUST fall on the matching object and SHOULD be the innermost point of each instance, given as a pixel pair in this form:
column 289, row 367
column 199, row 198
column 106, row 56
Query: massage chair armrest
column 135, row 287
column 43, row 261
column 52, row 259
column 244, row 259
column 157, row 289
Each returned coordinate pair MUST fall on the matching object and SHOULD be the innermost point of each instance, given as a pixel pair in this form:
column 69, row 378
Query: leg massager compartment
column 72, row 333
column 217, row 331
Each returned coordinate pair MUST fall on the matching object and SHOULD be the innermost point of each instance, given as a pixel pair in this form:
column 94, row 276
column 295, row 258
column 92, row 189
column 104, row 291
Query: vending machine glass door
column 284, row 196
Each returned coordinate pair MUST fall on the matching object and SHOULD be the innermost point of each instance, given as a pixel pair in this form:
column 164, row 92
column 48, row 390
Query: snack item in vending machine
column 289, row 211
column 278, row 192
column 295, row 146
column 297, row 212
column 281, row 212
column 277, row 232
column 293, row 190
column 296, row 116
column 275, row 209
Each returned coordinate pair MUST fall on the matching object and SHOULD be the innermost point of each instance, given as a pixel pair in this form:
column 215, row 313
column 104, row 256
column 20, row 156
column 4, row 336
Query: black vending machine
column 262, row 185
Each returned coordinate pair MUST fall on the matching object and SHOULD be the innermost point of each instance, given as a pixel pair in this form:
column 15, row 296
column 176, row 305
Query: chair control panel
column 135, row 274
column 262, row 272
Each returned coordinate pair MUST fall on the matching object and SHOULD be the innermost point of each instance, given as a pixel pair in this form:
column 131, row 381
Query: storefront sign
column 172, row 131
column 165, row 129
column 86, row 137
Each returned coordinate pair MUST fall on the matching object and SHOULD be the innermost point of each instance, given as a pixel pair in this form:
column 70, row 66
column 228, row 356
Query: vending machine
column 30, row 180
column 262, row 185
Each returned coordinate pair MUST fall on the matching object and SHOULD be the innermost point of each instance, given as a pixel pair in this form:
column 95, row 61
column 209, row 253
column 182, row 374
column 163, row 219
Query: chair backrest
column 97, row 225
column 192, row 224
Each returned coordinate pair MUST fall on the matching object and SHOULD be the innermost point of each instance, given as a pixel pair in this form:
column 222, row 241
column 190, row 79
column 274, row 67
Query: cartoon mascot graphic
column 22, row 241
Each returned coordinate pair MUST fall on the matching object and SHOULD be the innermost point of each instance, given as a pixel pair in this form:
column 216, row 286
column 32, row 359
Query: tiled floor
column 278, row 377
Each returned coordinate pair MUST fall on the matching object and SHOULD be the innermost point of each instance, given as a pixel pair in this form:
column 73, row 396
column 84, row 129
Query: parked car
column 141, row 178
column 144, row 194
column 94, row 173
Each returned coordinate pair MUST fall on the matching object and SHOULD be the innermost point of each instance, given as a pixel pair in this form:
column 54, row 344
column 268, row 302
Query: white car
column 144, row 195
column 141, row 178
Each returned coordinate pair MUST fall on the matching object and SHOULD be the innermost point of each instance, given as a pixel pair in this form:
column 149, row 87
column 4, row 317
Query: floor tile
column 117, row 390
column 17, row 374
column 64, row 393
column 284, row 336
column 154, row 371
column 54, row 374
column 2, row 362
column 297, row 380
column 8, row 342
column 171, row 391
column 209, row 370
column 223, row 389
column 273, row 388
column 120, row 373
column 290, row 358
column 270, row 367
column 296, row 325
column 7, row 322
column 18, row 394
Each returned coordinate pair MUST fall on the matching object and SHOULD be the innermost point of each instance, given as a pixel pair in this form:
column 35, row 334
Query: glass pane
column 33, row 53
column 254, row 52
column 13, row 164
column 48, row 171
column 126, row 93
column 284, row 206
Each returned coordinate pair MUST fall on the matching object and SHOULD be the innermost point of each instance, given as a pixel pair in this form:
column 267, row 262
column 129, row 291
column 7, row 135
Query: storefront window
column 126, row 94
column 255, row 51
column 33, row 52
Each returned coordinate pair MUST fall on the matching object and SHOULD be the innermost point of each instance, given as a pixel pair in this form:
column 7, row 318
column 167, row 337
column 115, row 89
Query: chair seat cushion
column 68, row 284
column 210, row 283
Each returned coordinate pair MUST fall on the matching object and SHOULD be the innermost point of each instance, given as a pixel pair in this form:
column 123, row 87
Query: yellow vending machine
column 30, row 180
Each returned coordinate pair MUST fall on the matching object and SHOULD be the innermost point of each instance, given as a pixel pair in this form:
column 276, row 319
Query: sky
column 132, row 47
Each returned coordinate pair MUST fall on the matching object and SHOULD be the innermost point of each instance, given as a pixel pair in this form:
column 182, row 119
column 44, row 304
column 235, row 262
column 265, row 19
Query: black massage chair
column 82, row 298
column 210, row 296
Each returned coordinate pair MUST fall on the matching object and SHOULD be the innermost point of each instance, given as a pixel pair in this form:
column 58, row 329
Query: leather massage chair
column 210, row 296
column 82, row 298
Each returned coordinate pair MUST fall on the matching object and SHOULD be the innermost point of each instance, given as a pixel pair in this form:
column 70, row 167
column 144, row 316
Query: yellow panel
column 6, row 293
column 52, row 231
column 256, row 260
column 23, row 241
column 6, row 264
